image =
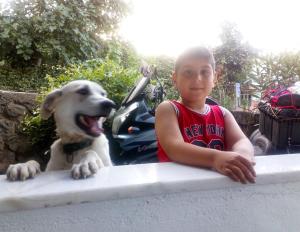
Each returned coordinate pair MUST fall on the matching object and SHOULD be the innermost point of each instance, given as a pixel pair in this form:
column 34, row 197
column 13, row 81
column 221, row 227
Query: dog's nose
column 106, row 107
column 108, row 104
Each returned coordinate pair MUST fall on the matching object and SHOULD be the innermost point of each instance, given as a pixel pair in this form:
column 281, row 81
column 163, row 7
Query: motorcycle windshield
column 136, row 90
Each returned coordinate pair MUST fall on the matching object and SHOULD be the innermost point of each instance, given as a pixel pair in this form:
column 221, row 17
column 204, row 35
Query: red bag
column 282, row 98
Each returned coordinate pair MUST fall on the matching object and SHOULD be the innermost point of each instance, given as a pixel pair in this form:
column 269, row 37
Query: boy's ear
column 174, row 79
column 218, row 73
column 215, row 80
column 47, row 108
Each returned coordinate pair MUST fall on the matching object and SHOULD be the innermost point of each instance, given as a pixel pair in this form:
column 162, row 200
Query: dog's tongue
column 93, row 124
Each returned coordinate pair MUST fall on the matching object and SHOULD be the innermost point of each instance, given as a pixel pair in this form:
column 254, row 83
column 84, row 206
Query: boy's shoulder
column 165, row 106
column 222, row 108
column 165, row 103
column 225, row 111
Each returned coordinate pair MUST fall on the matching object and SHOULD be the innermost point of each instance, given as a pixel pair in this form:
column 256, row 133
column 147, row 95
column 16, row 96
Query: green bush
column 41, row 133
column 115, row 79
column 25, row 79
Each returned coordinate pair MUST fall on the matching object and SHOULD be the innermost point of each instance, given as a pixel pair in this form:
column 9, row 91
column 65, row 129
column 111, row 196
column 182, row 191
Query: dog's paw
column 86, row 168
column 23, row 171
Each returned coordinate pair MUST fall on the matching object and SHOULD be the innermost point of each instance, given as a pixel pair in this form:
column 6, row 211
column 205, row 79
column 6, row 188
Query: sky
column 166, row 27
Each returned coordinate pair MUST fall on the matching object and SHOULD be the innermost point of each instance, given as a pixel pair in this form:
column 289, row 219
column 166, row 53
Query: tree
column 234, row 56
column 122, row 52
column 35, row 32
column 165, row 67
column 270, row 71
column 234, row 60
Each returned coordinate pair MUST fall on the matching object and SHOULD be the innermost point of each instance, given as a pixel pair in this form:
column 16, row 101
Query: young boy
column 194, row 133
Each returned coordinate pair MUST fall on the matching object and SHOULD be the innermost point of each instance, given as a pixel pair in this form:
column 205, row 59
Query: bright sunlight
column 165, row 27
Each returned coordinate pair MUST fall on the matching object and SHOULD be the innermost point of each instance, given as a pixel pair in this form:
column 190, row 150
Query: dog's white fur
column 84, row 97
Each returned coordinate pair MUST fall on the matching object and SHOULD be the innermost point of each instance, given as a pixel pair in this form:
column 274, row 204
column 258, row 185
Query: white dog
column 79, row 108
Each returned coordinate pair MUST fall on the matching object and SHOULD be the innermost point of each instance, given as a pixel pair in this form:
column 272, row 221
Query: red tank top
column 205, row 130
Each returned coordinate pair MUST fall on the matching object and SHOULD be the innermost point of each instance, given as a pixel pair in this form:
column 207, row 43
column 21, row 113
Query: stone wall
column 13, row 145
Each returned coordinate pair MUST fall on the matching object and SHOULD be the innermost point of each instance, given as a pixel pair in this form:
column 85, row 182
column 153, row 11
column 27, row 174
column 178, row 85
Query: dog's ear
column 48, row 105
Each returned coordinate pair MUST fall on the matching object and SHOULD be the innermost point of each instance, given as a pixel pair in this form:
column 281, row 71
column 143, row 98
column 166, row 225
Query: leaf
column 52, row 28
column 15, row 26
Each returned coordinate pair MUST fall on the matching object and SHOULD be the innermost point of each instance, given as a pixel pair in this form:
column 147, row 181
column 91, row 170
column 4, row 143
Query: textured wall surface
column 273, row 208
column 163, row 197
column 13, row 107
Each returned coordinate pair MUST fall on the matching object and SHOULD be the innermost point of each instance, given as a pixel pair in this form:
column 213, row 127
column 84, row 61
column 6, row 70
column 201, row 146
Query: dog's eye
column 83, row 91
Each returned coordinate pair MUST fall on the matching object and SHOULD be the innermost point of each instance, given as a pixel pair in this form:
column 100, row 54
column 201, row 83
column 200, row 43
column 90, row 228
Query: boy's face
column 194, row 79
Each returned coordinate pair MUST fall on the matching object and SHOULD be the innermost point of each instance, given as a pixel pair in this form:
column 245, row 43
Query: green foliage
column 27, row 79
column 37, row 37
column 270, row 70
column 165, row 67
column 234, row 56
column 220, row 93
column 122, row 52
column 115, row 79
column 35, row 32
column 41, row 132
column 234, row 60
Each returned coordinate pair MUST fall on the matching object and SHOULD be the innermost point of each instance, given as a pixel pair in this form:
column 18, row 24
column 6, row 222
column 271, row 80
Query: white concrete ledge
column 278, row 182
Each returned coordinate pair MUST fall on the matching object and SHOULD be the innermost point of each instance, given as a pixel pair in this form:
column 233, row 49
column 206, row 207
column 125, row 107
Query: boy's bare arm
column 235, row 139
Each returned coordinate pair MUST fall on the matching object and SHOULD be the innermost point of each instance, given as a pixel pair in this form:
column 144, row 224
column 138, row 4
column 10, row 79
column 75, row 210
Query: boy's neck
column 198, row 106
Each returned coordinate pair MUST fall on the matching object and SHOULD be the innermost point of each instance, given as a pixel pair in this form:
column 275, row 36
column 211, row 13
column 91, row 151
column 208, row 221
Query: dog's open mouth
column 90, row 124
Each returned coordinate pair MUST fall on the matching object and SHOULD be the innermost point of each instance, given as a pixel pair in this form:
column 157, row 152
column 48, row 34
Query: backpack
column 282, row 98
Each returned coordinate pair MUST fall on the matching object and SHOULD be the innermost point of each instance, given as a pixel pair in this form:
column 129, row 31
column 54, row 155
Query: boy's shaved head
column 196, row 53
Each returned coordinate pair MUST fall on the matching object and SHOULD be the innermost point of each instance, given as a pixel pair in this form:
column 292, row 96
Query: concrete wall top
column 59, row 189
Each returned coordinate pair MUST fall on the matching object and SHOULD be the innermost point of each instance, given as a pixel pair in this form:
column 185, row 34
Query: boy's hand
column 235, row 166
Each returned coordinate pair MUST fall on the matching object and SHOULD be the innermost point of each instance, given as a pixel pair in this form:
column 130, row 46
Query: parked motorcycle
column 133, row 135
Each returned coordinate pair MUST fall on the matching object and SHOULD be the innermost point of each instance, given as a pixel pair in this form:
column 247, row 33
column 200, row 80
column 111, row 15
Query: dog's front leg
column 87, row 166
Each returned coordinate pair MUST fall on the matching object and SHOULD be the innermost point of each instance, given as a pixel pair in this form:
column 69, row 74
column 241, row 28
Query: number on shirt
column 214, row 144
